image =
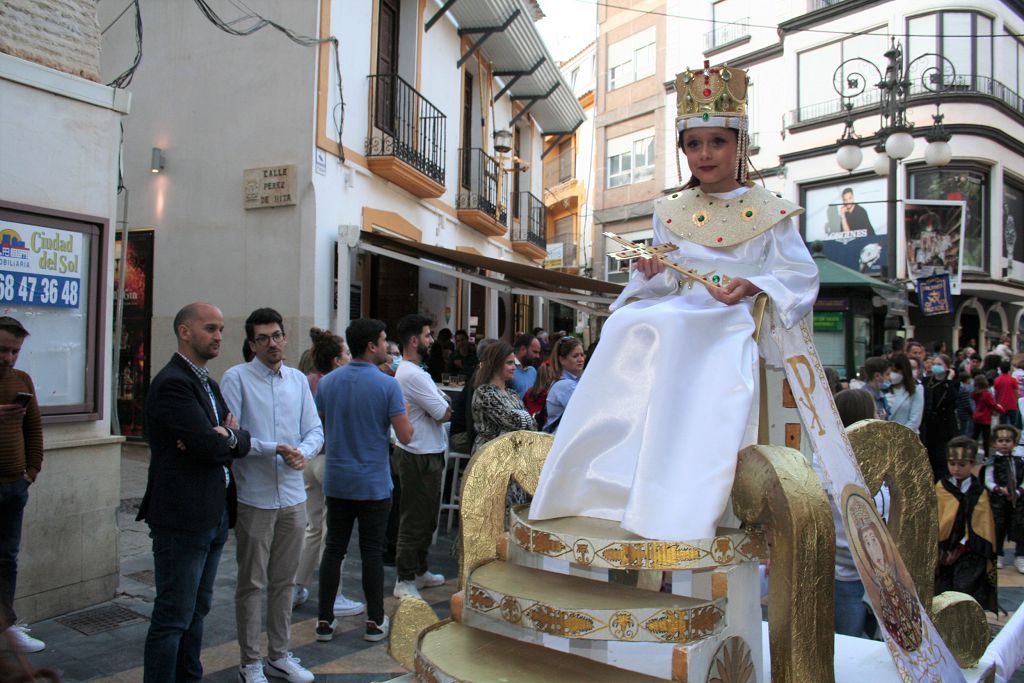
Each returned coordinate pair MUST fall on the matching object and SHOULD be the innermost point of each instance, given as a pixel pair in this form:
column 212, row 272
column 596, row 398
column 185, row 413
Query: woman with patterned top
column 497, row 408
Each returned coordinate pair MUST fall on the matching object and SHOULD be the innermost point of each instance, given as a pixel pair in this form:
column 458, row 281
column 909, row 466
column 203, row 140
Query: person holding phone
column 21, row 458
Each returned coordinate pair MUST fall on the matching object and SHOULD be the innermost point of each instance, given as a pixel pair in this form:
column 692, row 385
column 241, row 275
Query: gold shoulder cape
column 713, row 222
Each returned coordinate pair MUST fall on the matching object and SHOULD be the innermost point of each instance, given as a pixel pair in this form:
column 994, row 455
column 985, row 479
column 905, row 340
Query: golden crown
column 711, row 93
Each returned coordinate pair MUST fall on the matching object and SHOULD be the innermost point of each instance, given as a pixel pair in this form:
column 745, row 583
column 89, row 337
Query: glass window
column 983, row 59
column 631, row 158
column 959, row 184
column 957, row 43
column 964, row 38
column 1013, row 227
column 816, row 68
column 631, row 59
column 565, row 159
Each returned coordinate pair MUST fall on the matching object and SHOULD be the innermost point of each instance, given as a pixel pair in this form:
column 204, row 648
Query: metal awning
column 504, row 31
column 581, row 293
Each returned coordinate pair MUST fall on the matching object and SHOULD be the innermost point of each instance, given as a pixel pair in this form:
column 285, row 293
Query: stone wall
column 60, row 34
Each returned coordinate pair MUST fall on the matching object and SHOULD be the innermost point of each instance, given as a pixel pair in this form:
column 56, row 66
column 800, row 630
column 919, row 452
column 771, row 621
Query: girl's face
column 711, row 156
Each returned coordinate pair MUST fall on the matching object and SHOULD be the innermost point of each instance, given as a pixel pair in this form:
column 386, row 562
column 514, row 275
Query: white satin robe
column 651, row 436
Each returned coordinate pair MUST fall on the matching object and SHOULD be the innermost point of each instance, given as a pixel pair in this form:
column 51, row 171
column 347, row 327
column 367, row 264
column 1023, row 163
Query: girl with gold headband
column 651, row 436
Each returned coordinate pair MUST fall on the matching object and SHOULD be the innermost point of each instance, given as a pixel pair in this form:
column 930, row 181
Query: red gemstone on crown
column 707, row 92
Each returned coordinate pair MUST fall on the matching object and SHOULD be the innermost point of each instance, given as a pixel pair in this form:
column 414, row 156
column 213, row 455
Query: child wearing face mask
column 984, row 407
column 966, row 529
column 1004, row 479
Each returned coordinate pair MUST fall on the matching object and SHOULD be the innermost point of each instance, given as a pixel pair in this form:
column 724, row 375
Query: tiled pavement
column 116, row 654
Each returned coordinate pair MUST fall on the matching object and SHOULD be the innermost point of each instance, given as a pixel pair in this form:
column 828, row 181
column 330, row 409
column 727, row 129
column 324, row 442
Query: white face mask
column 896, row 377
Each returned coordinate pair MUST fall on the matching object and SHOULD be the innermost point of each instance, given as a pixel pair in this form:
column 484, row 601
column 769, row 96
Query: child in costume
column 651, row 437
column 1004, row 479
column 966, row 529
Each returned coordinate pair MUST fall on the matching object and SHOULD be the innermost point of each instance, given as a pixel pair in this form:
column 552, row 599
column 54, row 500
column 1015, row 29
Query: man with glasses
column 273, row 402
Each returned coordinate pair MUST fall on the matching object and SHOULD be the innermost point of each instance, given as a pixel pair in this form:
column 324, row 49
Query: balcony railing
column 963, row 84
column 404, row 124
column 480, row 188
column 820, row 4
column 533, row 223
column 726, row 33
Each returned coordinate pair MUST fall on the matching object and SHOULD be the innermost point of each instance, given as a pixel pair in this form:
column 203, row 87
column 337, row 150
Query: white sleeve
column 641, row 287
column 788, row 274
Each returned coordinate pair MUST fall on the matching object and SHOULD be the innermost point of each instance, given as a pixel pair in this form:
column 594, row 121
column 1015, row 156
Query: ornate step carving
column 604, row 544
column 451, row 652
column 580, row 608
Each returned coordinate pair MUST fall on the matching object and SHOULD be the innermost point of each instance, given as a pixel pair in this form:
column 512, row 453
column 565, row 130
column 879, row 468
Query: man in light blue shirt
column 274, row 403
column 526, row 348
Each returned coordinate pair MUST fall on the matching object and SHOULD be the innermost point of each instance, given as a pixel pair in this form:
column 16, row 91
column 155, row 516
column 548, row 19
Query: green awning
column 832, row 274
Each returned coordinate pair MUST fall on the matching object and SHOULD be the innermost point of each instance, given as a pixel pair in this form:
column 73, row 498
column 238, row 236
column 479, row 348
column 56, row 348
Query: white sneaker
column 404, row 588
column 1019, row 564
column 288, row 667
column 251, row 673
column 428, row 580
column 343, row 607
column 23, row 641
column 376, row 632
column 300, row 596
column 999, row 563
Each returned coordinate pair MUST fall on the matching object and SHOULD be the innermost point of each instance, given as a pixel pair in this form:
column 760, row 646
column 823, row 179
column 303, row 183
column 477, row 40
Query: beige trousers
column 313, row 545
column 269, row 543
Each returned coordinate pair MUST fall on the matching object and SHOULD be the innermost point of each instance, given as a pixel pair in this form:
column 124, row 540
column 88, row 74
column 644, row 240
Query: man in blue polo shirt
column 526, row 348
column 358, row 404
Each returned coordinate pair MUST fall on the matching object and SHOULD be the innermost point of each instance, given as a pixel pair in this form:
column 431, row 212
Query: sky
column 568, row 26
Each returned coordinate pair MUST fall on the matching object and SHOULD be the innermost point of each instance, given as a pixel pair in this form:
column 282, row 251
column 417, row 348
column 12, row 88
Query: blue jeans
column 185, row 565
column 13, row 498
column 850, row 608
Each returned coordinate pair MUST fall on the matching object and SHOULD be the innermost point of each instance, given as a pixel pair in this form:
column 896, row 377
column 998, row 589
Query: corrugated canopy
column 520, row 58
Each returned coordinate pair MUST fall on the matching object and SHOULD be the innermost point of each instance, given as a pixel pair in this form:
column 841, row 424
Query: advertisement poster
column 934, row 231
column 1013, row 225
column 849, row 219
column 40, row 266
column 134, row 368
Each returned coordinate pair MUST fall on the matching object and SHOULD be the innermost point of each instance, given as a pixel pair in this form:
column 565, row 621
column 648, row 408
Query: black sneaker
column 325, row 630
column 375, row 631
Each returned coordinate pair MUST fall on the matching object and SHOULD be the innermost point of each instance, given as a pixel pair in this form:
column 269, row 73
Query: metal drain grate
column 101, row 619
column 145, row 576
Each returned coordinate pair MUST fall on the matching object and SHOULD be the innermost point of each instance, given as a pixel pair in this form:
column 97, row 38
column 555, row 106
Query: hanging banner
column 934, row 232
column 916, row 647
column 933, row 294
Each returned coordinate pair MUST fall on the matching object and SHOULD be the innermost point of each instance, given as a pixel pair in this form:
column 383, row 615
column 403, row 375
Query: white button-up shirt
column 274, row 407
column 427, row 405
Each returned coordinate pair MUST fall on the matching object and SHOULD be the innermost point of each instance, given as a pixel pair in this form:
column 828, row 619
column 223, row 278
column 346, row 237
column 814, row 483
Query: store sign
column 828, row 321
column 268, row 187
column 555, row 256
column 40, row 266
column 935, row 295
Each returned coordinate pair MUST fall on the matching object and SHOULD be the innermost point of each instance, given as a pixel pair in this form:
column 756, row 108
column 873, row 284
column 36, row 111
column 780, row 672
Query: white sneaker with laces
column 376, row 632
column 23, row 641
column 1019, row 564
column 288, row 668
column 428, row 580
column 300, row 596
column 251, row 673
column 343, row 607
column 404, row 588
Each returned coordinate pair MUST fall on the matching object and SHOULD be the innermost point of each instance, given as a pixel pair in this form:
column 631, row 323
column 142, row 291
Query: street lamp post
column 894, row 135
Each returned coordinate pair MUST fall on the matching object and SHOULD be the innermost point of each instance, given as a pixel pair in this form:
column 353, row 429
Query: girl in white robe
column 651, row 437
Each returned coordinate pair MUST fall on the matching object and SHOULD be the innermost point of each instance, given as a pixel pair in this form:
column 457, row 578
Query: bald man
column 189, row 502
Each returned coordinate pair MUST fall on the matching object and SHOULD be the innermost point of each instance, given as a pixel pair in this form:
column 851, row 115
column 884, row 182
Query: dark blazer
column 186, row 488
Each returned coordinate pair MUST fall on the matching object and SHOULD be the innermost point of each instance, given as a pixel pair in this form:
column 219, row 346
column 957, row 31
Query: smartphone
column 22, row 399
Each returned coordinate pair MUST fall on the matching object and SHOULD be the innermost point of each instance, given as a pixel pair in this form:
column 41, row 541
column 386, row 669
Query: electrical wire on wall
column 260, row 22
column 125, row 78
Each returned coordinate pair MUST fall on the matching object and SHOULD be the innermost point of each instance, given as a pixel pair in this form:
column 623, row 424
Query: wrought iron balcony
column 867, row 102
column 482, row 203
column 406, row 143
column 528, row 235
column 726, row 32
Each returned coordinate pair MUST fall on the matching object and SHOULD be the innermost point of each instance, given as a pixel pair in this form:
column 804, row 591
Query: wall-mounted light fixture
column 156, row 164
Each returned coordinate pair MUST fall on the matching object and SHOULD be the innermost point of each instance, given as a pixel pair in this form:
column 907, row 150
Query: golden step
column 582, row 608
column 451, row 651
column 603, row 543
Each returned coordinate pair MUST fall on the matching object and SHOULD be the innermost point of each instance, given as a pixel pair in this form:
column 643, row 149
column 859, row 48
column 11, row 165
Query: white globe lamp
column 849, row 157
column 899, row 145
column 880, row 165
column 938, row 153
